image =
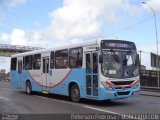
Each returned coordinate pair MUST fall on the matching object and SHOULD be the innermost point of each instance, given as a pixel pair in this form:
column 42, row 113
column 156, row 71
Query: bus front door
column 92, row 74
column 45, row 70
column 19, row 73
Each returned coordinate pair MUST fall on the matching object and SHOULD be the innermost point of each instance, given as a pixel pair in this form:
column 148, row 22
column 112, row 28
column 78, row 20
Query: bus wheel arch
column 74, row 92
column 28, row 87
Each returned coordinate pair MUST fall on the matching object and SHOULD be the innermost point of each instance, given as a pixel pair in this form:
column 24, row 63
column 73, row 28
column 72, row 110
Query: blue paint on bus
column 79, row 77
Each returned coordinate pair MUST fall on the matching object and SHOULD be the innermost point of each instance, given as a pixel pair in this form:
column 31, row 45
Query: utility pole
column 155, row 23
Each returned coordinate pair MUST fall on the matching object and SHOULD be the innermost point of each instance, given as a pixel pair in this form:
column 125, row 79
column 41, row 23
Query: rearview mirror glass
column 100, row 58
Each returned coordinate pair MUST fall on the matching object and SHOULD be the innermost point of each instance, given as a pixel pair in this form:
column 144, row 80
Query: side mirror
column 137, row 60
column 100, row 58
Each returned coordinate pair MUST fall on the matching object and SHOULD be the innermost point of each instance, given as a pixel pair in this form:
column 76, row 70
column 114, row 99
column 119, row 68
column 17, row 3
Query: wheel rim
column 28, row 89
column 75, row 93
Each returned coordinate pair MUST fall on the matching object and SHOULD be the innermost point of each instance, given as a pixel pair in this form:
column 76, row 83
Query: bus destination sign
column 117, row 44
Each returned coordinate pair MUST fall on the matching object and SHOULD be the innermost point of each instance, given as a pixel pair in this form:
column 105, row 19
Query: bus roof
column 86, row 43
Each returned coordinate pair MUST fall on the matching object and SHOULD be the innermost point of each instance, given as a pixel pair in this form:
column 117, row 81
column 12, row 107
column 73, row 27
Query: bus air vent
column 123, row 93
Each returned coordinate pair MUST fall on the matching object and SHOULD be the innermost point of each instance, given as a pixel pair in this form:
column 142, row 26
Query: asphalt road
column 13, row 101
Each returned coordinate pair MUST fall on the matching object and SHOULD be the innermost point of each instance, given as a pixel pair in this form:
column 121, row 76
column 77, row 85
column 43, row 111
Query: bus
column 102, row 69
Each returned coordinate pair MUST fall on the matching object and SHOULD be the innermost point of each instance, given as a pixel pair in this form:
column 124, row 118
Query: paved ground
column 150, row 93
column 15, row 102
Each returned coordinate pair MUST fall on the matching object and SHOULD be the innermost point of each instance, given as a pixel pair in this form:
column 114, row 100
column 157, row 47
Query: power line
column 131, row 26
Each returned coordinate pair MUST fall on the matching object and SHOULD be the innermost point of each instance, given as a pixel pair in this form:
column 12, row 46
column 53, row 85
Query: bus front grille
column 122, row 82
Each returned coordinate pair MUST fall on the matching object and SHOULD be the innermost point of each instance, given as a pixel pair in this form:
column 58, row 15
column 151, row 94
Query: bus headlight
column 136, row 85
column 107, row 86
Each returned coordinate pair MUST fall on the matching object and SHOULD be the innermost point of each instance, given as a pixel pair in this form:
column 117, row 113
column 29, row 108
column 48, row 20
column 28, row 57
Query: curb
column 150, row 88
column 150, row 93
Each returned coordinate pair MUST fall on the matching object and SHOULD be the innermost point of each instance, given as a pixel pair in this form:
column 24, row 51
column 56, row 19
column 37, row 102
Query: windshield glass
column 119, row 64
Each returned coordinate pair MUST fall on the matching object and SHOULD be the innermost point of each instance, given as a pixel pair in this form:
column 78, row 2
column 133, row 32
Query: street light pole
column 155, row 23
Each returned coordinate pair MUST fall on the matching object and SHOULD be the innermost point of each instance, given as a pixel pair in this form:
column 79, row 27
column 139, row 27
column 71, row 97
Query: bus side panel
column 27, row 76
column 14, row 80
column 76, row 76
column 19, row 81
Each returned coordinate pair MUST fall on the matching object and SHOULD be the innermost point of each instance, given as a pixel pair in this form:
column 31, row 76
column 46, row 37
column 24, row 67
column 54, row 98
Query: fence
column 148, row 78
column 148, row 74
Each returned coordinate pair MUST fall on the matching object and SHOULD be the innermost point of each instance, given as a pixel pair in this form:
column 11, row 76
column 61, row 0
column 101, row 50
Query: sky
column 50, row 23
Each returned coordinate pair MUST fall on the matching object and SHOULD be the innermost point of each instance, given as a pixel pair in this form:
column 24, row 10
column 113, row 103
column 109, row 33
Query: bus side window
column 13, row 63
column 52, row 60
column 61, row 58
column 37, row 62
column 95, row 63
column 75, row 57
column 19, row 67
column 28, row 60
column 79, row 63
column 88, row 64
column 27, row 66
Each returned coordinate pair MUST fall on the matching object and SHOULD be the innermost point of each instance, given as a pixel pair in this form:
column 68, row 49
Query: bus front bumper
column 118, row 94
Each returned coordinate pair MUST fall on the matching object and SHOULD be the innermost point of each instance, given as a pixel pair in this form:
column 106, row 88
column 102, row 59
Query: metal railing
column 17, row 48
column 148, row 78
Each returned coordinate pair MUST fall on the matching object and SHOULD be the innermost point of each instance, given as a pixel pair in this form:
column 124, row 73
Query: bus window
column 19, row 67
column 88, row 64
column 75, row 57
column 37, row 62
column 52, row 60
column 13, row 63
column 61, row 59
column 23, row 63
column 95, row 63
column 28, row 62
column 45, row 65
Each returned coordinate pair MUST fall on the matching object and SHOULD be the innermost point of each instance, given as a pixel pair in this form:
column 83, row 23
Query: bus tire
column 28, row 88
column 75, row 93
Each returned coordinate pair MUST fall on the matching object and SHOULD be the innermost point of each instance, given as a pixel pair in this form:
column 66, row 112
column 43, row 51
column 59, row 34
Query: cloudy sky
column 49, row 23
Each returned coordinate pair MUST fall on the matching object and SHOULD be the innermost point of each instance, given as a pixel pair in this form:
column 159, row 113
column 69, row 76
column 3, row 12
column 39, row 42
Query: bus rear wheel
column 28, row 88
column 75, row 93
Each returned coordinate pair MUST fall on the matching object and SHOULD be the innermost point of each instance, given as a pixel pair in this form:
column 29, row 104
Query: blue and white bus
column 101, row 69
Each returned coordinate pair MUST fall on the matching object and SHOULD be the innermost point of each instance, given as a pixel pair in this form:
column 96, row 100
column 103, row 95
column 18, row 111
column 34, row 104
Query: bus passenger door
column 45, row 70
column 19, row 73
column 92, row 74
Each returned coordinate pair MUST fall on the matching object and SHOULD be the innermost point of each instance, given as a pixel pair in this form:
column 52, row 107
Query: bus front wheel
column 28, row 88
column 75, row 93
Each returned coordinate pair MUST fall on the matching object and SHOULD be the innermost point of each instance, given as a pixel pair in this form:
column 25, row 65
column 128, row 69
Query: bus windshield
column 119, row 64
